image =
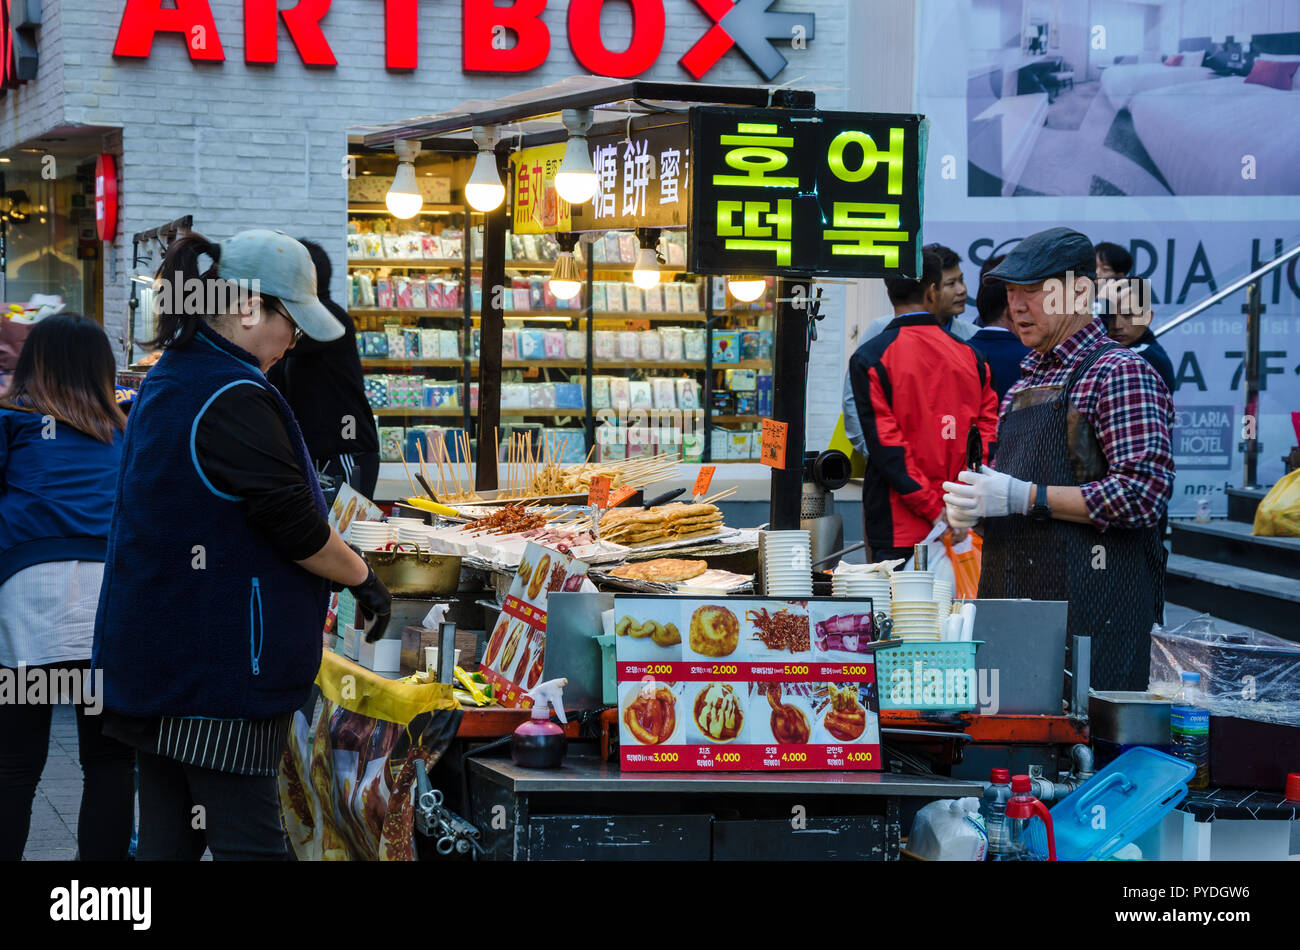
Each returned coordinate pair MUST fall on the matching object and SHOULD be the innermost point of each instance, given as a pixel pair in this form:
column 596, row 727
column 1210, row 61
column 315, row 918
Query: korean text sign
column 819, row 193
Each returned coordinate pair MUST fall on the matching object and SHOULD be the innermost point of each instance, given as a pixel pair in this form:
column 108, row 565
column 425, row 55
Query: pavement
column 53, row 835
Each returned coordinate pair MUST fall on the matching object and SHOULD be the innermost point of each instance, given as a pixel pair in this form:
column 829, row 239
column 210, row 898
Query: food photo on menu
column 718, row 713
column 845, row 713
column 713, row 632
column 776, row 632
column 649, row 629
column 790, row 719
column 842, row 632
column 649, row 713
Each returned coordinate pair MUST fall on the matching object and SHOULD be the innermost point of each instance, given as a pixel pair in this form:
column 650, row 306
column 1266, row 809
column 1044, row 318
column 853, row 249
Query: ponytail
column 178, row 275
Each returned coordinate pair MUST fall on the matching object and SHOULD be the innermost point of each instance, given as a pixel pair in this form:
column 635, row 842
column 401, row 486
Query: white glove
column 959, row 519
column 985, row 494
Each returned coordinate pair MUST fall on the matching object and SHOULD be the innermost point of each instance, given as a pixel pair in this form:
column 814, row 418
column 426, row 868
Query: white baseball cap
column 284, row 270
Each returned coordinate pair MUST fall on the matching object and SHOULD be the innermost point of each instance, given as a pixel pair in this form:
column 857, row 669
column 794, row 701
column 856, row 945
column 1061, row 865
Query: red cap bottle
column 1293, row 786
column 1000, row 777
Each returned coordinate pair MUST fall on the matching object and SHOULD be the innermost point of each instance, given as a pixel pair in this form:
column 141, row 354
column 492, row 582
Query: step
column 1263, row 601
column 1231, row 543
column 1242, row 503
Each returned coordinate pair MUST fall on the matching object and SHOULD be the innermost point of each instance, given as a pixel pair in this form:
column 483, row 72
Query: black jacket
column 322, row 382
column 1151, row 351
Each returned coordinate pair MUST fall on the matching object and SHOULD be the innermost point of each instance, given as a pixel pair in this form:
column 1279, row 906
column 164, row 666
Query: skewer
column 450, row 467
column 415, row 492
column 720, row 495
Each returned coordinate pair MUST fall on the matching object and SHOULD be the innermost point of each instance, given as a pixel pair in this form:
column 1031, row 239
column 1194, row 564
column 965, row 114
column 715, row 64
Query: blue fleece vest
column 198, row 616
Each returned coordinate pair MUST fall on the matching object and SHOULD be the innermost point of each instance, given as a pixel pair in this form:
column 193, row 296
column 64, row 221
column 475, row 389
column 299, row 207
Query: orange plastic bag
column 965, row 565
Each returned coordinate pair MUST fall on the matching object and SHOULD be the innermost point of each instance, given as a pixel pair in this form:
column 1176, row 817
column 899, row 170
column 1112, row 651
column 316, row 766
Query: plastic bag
column 1249, row 675
column 1278, row 515
column 966, row 557
column 949, row 830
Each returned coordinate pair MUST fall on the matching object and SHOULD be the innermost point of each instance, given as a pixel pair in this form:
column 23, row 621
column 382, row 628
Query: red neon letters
column 303, row 22
column 191, row 18
column 482, row 20
column 589, row 47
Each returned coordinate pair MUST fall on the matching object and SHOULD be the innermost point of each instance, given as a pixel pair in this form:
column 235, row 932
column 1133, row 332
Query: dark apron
column 1113, row 581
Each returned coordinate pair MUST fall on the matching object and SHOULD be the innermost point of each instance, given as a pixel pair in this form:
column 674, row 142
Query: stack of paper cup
column 371, row 535
column 943, row 596
column 787, row 568
column 913, row 609
column 915, row 619
column 862, row 586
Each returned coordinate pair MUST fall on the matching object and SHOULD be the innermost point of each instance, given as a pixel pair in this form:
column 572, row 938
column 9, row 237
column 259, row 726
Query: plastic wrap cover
column 1249, row 675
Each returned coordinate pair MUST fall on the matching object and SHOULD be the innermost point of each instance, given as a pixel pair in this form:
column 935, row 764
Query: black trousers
column 185, row 808
column 360, row 470
column 107, row 812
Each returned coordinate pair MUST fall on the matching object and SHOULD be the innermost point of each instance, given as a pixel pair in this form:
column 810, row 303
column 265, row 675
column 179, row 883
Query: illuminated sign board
column 834, row 194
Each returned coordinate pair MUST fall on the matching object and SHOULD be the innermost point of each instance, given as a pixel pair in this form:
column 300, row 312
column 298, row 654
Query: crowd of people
column 1070, row 396
column 179, row 568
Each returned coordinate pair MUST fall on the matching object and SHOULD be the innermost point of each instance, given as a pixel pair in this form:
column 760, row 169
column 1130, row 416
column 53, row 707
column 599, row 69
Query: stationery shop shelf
column 699, row 366
column 407, row 263
column 397, row 311
column 531, row 314
column 386, row 413
column 725, row 420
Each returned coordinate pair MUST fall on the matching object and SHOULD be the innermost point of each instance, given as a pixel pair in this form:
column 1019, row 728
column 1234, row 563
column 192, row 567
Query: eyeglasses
column 297, row 330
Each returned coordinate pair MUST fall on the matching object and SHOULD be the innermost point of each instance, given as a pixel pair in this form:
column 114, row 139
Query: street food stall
column 722, row 696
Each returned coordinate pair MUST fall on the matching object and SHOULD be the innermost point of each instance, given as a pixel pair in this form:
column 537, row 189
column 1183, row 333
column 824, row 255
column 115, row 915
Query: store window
column 47, row 224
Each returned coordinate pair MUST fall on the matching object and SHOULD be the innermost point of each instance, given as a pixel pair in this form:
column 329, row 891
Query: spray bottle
column 540, row 743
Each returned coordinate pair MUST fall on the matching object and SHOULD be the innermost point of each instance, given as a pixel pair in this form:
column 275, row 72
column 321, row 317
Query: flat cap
column 1047, row 254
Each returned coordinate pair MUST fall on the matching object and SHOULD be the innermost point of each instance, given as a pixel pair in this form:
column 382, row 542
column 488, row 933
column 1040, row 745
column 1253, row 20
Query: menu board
column 746, row 683
column 516, row 649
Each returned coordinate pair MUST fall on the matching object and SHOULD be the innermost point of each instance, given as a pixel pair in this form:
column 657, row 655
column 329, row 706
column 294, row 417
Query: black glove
column 375, row 604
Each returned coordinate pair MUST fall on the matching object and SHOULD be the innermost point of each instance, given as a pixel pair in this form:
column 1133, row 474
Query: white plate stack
column 371, row 535
column 913, row 609
column 416, row 534
column 787, row 568
column 943, row 597
column 861, row 586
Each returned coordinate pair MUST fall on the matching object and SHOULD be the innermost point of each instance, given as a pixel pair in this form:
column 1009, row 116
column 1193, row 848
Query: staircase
column 1222, row 569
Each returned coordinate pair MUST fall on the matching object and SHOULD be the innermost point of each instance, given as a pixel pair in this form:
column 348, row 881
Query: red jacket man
column 917, row 389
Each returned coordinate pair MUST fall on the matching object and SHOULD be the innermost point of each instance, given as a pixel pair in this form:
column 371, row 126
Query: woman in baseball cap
column 220, row 559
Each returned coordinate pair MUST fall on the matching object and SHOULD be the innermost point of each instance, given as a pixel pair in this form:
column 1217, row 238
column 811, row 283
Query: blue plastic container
column 1115, row 806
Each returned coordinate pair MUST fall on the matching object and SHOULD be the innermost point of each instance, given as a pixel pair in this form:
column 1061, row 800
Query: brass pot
column 414, row 574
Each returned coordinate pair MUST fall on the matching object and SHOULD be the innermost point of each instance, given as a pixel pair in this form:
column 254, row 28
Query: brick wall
column 242, row 146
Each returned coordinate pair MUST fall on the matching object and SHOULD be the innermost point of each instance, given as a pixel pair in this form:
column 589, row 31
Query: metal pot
column 415, row 574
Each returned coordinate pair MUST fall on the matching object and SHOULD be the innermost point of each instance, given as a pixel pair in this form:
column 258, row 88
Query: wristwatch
column 1040, row 510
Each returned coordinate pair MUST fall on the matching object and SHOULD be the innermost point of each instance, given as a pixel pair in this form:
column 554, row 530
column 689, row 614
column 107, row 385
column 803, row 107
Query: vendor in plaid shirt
column 1083, row 470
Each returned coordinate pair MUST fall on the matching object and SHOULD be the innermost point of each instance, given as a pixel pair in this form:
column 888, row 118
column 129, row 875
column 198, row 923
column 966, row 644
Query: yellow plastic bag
column 1278, row 515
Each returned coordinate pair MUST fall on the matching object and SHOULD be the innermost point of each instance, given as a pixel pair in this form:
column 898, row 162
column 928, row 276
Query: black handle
column 425, row 485
column 665, row 497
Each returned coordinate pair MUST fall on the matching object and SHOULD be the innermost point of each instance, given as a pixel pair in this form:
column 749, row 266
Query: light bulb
column 404, row 199
column 484, row 190
column 747, row 289
column 646, row 272
column 566, row 281
column 576, row 179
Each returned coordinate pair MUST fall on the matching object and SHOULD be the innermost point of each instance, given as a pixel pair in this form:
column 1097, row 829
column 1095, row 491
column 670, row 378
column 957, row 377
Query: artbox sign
column 495, row 39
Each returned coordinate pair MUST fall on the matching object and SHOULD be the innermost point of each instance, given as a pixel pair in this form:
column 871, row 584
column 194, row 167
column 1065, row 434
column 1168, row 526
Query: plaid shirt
column 1132, row 414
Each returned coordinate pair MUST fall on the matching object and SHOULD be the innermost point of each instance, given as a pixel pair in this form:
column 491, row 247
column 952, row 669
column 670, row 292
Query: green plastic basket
column 944, row 680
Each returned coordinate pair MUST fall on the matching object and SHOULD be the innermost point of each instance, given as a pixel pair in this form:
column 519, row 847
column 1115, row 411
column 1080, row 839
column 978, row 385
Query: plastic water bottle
column 1021, row 809
column 993, row 806
column 1189, row 729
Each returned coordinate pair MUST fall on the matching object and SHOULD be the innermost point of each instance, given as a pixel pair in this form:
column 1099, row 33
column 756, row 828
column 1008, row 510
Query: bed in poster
column 746, row 684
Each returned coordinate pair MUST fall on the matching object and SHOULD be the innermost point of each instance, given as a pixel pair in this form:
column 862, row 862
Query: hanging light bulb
column 747, row 288
column 566, row 279
column 576, row 179
column 484, row 190
column 404, row 199
column 645, row 273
